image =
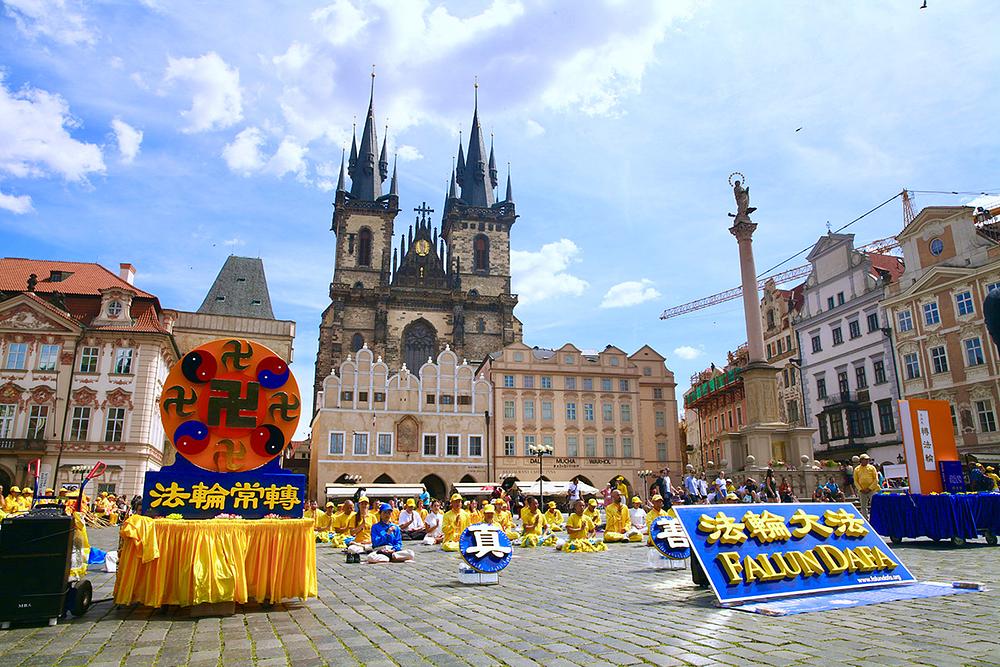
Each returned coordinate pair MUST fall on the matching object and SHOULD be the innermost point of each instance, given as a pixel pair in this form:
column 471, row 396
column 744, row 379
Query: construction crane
column 880, row 247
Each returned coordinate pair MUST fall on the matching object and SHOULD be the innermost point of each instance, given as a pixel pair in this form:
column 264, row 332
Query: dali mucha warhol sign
column 229, row 407
column 769, row 550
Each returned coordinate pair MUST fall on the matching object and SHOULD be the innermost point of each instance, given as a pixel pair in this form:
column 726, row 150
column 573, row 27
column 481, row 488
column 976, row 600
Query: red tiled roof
column 893, row 265
column 85, row 278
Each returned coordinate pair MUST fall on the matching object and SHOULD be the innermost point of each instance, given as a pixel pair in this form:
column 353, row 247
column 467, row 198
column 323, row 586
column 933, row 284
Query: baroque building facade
column 604, row 414
column 848, row 379
column 778, row 308
column 942, row 347
column 83, row 357
column 447, row 286
column 715, row 406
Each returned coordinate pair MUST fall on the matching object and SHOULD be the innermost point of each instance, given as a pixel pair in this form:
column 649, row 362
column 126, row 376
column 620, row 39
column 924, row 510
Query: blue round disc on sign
column 670, row 539
column 485, row 547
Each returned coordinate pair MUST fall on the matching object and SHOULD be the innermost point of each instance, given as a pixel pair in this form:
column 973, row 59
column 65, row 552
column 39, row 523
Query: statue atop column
column 742, row 195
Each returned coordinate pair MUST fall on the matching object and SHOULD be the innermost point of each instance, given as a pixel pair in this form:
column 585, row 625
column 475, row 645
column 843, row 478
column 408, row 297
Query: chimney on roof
column 127, row 273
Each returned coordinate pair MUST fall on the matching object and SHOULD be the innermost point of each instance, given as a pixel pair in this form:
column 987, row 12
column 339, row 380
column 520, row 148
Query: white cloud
column 409, row 153
column 235, row 241
column 243, row 155
column 16, row 203
column 532, row 128
column 129, row 139
column 216, row 100
column 541, row 275
column 339, row 22
column 58, row 20
column 689, row 353
column 116, row 62
column 34, row 137
column 630, row 293
column 290, row 157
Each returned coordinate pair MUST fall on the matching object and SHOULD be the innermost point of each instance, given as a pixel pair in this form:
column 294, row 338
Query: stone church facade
column 442, row 286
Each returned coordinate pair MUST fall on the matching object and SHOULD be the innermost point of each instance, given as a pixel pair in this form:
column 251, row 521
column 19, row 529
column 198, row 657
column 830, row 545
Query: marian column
column 759, row 379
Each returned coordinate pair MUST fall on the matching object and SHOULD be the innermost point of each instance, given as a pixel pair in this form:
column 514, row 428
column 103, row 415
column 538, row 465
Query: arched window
column 770, row 319
column 357, row 342
column 481, row 253
column 365, row 247
column 419, row 343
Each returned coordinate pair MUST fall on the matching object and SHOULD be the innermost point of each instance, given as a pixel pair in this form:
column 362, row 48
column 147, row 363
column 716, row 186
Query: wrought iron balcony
column 846, row 398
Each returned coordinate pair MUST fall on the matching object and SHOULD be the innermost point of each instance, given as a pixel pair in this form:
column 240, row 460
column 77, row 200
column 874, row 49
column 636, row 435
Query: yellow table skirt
column 188, row 562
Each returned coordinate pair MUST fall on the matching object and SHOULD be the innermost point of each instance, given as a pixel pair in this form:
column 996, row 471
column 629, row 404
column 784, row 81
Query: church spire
column 393, row 186
column 453, row 189
column 476, row 186
column 460, row 170
column 383, row 161
column 510, row 194
column 366, row 182
column 493, row 164
column 341, row 184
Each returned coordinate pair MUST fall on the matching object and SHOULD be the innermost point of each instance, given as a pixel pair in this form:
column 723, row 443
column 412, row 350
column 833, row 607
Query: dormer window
column 255, row 302
column 241, row 280
column 115, row 309
column 221, row 297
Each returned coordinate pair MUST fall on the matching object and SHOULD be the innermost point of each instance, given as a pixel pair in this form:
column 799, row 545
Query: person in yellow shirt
column 421, row 509
column 340, row 525
column 394, row 512
column 323, row 523
column 310, row 510
column 12, row 503
column 621, row 486
column 866, row 482
column 654, row 514
column 534, row 528
column 361, row 525
column 593, row 513
column 26, row 496
column 619, row 524
column 475, row 513
column 506, row 520
column 581, row 532
column 992, row 474
column 554, row 518
column 455, row 521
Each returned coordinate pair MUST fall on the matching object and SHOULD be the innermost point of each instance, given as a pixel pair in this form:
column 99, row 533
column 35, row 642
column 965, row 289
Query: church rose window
column 419, row 343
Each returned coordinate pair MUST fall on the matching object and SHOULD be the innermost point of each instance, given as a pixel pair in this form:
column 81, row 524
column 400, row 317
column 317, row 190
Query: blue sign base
column 856, row 598
column 195, row 493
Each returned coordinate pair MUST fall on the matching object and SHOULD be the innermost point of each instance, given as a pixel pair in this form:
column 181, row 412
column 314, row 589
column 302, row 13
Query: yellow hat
column 487, row 508
column 329, row 503
column 592, row 502
column 456, row 496
column 104, row 493
column 657, row 497
column 49, row 491
column 27, row 491
column 15, row 489
column 410, row 502
column 635, row 499
column 731, row 496
column 363, row 499
column 552, row 504
column 990, row 468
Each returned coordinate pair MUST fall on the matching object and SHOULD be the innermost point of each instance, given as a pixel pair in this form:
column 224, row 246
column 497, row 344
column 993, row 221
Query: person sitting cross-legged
column 654, row 514
column 410, row 522
column 323, row 523
column 432, row 524
column 455, row 521
column 619, row 522
column 534, row 529
column 387, row 539
column 594, row 514
column 581, row 533
column 360, row 527
column 506, row 520
column 554, row 518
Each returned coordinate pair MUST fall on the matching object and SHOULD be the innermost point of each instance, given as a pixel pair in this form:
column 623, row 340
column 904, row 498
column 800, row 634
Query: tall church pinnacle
column 477, row 188
column 341, row 184
column 368, row 173
column 393, row 186
column 493, row 164
column 510, row 193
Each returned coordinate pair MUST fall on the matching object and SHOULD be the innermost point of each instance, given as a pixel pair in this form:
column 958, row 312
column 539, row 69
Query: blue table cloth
column 940, row 517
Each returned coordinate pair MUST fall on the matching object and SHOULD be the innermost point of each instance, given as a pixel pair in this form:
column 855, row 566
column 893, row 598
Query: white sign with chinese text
column 926, row 444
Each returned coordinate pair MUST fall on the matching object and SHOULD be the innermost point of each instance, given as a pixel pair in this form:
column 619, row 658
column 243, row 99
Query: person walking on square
column 572, row 494
column 866, row 482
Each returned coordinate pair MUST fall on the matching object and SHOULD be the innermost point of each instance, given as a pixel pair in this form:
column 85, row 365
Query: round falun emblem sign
column 230, row 405
column 670, row 539
column 485, row 548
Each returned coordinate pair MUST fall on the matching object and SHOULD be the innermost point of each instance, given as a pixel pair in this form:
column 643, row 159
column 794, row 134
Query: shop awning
column 473, row 489
column 554, row 488
column 373, row 491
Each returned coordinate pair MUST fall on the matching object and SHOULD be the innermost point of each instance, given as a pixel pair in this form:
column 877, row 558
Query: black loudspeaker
column 35, row 551
column 991, row 313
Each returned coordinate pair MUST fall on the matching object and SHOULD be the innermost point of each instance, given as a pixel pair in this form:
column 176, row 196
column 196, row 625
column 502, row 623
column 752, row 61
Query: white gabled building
column 848, row 378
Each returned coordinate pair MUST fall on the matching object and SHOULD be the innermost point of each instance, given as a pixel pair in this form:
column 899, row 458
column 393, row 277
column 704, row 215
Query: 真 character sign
column 485, row 547
column 230, row 405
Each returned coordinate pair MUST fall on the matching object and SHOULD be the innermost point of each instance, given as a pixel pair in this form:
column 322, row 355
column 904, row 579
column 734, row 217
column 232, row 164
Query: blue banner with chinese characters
column 766, row 550
column 196, row 493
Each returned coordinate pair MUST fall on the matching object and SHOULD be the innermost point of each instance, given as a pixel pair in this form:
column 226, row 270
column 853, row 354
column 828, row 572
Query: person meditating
column 580, row 532
column 554, row 518
column 323, row 523
column 654, row 514
column 637, row 516
column 455, row 521
column 432, row 525
column 593, row 513
column 533, row 525
column 411, row 524
column 475, row 514
column 506, row 520
column 619, row 524
column 361, row 523
column 387, row 539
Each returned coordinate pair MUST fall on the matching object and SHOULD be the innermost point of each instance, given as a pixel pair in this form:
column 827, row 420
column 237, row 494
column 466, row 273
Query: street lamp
column 644, row 474
column 540, row 451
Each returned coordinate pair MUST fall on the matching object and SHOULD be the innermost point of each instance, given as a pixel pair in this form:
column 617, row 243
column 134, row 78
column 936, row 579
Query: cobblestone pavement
column 552, row 609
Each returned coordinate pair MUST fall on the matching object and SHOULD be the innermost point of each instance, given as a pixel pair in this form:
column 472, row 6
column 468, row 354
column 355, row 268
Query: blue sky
column 170, row 135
